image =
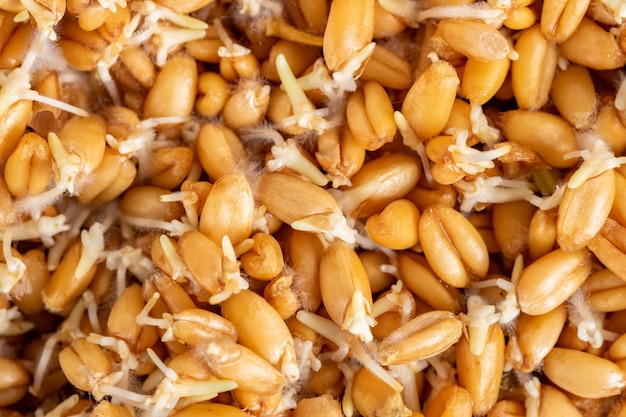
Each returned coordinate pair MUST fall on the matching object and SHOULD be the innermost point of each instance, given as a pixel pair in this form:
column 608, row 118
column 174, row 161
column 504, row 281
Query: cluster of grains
column 305, row 208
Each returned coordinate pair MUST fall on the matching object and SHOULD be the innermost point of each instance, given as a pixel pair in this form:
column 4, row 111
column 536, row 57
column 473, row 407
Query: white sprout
column 45, row 19
column 351, row 198
column 78, row 215
column 92, row 250
column 67, row 332
column 230, row 49
column 121, row 348
column 396, row 299
column 62, row 409
column 128, row 258
column 479, row 318
column 405, row 374
column 411, row 140
column 16, row 84
column 232, row 280
column 492, row 190
column 44, row 228
column 481, row 127
column 348, row 370
column 173, row 388
column 334, row 85
column 142, row 138
column 174, row 228
column 179, row 268
column 473, row 161
column 440, row 374
column 345, row 79
column 589, row 323
column 475, row 11
column 358, row 319
column 595, row 162
column 549, row 202
column 12, row 322
column 68, row 165
column 12, row 270
column 532, row 394
column 319, row 78
column 331, row 226
column 287, row 154
column 111, row 5
column 346, row 342
column 508, row 308
column 305, row 114
column 189, row 200
column 407, row 10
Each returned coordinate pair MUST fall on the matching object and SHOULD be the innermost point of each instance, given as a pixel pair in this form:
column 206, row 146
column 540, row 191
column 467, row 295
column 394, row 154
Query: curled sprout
column 473, row 161
column 492, row 190
column 595, row 162
column 346, row 342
